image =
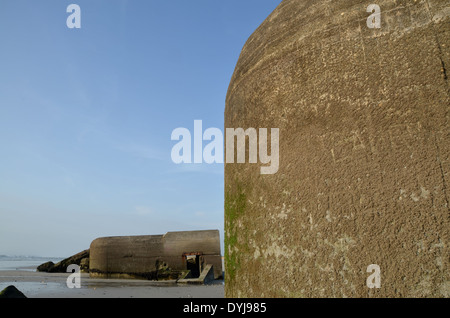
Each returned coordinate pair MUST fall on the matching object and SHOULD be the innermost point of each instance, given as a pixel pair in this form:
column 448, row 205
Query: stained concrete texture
column 363, row 118
column 147, row 256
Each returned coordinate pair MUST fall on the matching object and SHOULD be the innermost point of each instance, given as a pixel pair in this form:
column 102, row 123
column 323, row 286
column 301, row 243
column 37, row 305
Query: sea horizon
column 24, row 262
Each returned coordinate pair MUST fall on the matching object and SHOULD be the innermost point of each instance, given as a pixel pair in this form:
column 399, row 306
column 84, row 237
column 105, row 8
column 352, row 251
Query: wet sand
column 53, row 285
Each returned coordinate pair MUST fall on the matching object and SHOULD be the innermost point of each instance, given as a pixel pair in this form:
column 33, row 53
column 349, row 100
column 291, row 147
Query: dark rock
column 84, row 265
column 11, row 292
column 46, row 267
column 61, row 267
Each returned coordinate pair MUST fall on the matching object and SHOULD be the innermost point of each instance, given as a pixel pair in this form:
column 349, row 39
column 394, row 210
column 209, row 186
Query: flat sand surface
column 53, row 285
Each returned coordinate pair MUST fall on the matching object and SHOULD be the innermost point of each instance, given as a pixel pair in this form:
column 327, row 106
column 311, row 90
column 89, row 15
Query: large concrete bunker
column 172, row 255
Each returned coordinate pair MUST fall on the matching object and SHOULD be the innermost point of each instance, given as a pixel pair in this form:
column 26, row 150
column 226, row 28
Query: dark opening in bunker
column 194, row 263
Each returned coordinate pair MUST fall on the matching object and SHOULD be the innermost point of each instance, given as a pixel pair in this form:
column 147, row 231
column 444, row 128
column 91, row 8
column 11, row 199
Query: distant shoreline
column 28, row 263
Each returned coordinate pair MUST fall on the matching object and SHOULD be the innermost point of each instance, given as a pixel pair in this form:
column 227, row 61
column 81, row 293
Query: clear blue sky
column 86, row 117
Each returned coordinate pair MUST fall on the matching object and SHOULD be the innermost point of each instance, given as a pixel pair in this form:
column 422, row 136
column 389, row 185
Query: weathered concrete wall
column 364, row 153
column 128, row 256
column 207, row 242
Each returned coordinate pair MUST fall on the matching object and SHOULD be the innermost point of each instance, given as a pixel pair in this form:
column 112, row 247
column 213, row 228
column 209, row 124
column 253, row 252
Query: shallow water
column 28, row 263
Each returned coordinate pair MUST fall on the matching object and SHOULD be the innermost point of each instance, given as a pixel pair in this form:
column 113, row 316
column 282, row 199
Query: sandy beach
column 53, row 285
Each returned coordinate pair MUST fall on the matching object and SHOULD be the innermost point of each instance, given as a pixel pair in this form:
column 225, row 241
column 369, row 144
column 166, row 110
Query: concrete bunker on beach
column 174, row 255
